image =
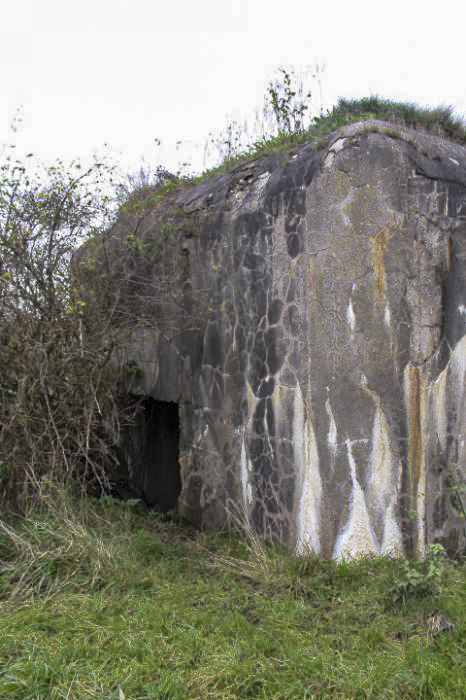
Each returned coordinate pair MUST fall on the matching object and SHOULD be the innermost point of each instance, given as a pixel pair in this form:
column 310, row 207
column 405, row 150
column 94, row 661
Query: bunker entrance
column 152, row 453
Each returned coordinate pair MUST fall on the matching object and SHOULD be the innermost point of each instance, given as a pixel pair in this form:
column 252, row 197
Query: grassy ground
column 104, row 602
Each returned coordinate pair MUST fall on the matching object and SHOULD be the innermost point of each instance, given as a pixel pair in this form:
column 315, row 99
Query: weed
column 290, row 105
column 421, row 578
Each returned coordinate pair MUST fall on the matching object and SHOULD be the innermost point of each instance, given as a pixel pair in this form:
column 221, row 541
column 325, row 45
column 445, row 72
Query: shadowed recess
column 152, row 448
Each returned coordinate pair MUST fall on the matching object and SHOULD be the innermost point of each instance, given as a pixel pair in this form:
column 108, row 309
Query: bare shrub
column 80, row 270
column 58, row 390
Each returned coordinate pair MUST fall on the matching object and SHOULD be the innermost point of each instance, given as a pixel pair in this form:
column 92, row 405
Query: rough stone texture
column 322, row 394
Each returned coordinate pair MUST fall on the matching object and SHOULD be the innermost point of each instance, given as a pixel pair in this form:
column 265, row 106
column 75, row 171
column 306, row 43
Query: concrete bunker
column 152, row 451
column 315, row 340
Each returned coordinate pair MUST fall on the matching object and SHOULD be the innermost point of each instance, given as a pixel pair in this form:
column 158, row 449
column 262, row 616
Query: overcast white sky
column 126, row 72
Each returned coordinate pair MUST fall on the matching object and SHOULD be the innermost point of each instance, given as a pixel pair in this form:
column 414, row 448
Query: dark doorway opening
column 152, row 451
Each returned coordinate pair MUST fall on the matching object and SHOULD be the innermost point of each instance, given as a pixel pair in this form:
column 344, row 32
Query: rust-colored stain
column 309, row 411
column 449, row 252
column 414, row 427
column 379, row 244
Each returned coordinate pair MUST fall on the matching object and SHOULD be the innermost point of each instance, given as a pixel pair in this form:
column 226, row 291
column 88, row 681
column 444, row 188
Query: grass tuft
column 440, row 121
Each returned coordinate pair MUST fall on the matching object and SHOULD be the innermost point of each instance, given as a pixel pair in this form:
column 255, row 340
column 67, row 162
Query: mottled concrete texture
column 321, row 392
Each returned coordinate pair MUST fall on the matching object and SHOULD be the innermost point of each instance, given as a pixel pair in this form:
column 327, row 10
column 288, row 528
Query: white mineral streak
column 392, row 542
column 357, row 537
column 332, row 430
column 329, row 158
column 307, row 462
column 338, row 145
column 387, row 316
column 333, row 150
column 245, row 482
column 458, row 367
column 458, row 371
column 384, row 484
column 248, row 198
column 438, row 402
column 384, row 471
column 245, row 462
column 350, row 317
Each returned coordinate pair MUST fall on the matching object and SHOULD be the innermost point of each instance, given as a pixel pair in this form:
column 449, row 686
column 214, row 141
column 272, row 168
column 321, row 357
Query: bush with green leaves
column 421, row 578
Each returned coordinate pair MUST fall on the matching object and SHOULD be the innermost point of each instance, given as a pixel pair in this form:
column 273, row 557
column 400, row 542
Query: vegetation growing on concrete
column 440, row 121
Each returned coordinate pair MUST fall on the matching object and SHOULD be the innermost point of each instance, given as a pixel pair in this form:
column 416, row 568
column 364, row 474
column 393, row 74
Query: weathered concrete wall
column 323, row 390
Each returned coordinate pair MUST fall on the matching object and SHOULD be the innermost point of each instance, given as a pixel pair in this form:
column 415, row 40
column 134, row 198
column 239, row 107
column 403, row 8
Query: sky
column 85, row 73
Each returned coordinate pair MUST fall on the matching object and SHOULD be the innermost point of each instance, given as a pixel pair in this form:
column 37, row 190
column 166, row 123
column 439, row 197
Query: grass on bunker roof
column 100, row 601
column 440, row 121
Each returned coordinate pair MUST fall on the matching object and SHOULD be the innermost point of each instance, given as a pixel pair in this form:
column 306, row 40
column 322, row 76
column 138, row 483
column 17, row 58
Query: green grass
column 440, row 121
column 103, row 602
